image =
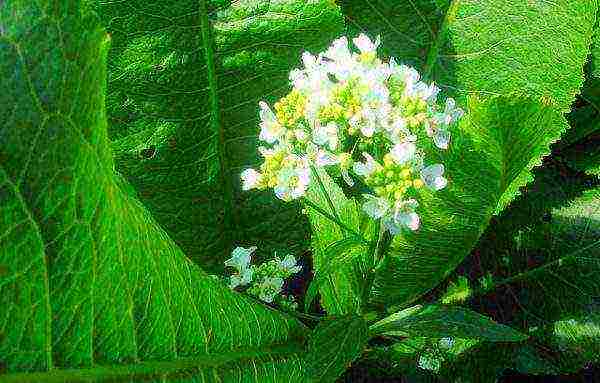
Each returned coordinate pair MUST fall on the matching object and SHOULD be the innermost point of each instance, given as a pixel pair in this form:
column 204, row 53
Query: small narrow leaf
column 340, row 295
column 337, row 255
column 447, row 321
column 333, row 345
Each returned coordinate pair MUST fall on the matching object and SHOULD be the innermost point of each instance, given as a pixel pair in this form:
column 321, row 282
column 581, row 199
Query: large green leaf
column 87, row 278
column 561, row 294
column 182, row 137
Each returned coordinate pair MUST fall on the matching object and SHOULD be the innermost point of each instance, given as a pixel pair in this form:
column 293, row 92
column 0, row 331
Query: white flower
column 270, row 129
column 338, row 51
column 441, row 138
column 425, row 92
column 409, row 75
column 241, row 279
column 365, row 45
column 375, row 207
column 404, row 216
column 250, row 179
column 325, row 158
column 403, row 152
column 451, row 112
column 367, row 168
column 342, row 63
column 288, row 265
column 432, row 176
column 240, row 258
column 269, row 287
column 292, row 181
column 398, row 132
column 326, row 135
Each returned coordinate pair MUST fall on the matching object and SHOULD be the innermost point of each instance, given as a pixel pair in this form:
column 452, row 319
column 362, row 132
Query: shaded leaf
column 438, row 321
column 333, row 345
column 201, row 131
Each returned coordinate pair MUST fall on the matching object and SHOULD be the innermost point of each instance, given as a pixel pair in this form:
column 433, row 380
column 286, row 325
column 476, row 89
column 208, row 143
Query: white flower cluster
column 345, row 107
column 269, row 276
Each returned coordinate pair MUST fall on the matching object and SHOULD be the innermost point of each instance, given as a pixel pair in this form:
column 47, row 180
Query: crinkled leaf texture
column 182, row 137
column 514, row 76
column 89, row 284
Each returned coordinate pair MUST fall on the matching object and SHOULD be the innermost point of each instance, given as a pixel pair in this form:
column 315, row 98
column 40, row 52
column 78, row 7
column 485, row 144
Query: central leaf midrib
column 433, row 52
column 125, row 372
column 217, row 124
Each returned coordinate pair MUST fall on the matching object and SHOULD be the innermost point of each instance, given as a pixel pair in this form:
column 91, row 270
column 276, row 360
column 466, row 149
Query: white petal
column 441, row 138
column 250, row 179
column 346, row 177
column 410, row 220
column 269, row 126
column 234, row 281
column 368, row 129
column 308, row 60
column 282, row 193
column 325, row 158
column 366, row 168
column 392, row 225
column 364, row 44
column 432, row 176
column 403, row 152
column 375, row 207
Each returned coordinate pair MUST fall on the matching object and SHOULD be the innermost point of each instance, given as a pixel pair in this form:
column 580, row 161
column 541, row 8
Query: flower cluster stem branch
column 324, row 192
column 325, row 214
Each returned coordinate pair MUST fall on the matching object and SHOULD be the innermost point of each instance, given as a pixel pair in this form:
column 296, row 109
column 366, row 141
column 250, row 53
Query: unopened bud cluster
column 264, row 281
column 362, row 115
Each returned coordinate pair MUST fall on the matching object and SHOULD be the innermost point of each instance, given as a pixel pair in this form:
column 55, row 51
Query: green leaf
column 182, row 136
column 561, row 294
column 436, row 321
column 595, row 51
column 333, row 345
column 539, row 50
column 88, row 279
column 408, row 29
column 336, row 255
column 327, row 204
column 494, row 148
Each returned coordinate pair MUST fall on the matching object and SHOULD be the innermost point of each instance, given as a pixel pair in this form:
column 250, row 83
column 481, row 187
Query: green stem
column 373, row 252
column 333, row 219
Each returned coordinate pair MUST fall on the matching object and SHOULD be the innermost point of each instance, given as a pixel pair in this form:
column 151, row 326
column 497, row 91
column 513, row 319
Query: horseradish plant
column 367, row 120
